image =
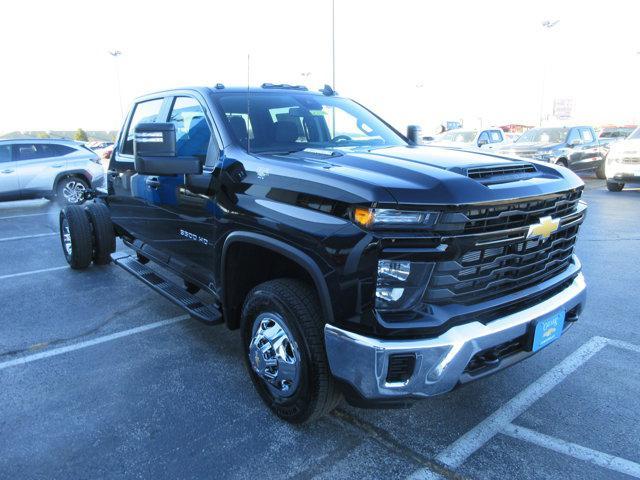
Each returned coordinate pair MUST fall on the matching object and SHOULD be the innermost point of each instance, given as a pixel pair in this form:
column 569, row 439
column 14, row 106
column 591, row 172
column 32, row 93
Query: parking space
column 100, row 376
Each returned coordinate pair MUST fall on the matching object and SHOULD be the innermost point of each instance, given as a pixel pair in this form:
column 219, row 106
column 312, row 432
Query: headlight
column 372, row 217
column 401, row 283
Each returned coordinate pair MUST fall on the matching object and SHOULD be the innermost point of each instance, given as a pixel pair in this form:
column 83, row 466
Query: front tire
column 283, row 340
column 76, row 237
column 614, row 186
column 600, row 173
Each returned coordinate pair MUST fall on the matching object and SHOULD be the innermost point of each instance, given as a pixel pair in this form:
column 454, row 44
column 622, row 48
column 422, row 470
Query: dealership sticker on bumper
column 547, row 330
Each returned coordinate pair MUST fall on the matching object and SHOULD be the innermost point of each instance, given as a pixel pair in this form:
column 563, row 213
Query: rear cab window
column 495, row 136
column 586, row 135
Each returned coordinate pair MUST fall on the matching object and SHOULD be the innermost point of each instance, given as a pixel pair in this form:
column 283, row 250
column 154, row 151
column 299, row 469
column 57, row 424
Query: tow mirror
column 575, row 142
column 482, row 142
column 414, row 134
column 154, row 150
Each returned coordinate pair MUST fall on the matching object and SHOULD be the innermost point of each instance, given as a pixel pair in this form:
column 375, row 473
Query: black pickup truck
column 575, row 147
column 353, row 262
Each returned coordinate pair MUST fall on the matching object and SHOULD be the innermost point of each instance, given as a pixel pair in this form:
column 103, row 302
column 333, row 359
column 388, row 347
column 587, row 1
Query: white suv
column 622, row 164
column 36, row 168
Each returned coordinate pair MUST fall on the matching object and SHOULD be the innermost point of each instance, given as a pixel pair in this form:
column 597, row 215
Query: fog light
column 389, row 294
column 392, row 269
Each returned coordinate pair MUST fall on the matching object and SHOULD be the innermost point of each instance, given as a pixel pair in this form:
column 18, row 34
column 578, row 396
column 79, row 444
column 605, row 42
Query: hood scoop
column 502, row 173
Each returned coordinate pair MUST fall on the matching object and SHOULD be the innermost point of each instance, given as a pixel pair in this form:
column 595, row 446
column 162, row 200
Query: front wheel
column 283, row 340
column 614, row 186
column 600, row 172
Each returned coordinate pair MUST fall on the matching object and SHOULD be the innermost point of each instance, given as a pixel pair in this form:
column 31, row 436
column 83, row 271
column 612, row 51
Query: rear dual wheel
column 87, row 235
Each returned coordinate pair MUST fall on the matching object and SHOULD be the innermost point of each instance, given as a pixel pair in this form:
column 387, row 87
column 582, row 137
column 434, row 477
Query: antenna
column 248, row 103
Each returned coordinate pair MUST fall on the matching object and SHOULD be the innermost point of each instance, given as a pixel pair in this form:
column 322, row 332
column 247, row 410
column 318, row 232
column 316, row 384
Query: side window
column 587, row 136
column 495, row 136
column 484, row 136
column 27, row 151
column 145, row 112
column 573, row 135
column 53, row 150
column 192, row 130
column 5, row 153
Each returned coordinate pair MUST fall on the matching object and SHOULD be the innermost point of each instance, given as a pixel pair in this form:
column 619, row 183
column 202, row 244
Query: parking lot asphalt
column 100, row 377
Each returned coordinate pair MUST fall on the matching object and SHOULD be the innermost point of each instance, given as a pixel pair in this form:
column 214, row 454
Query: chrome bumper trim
column 440, row 361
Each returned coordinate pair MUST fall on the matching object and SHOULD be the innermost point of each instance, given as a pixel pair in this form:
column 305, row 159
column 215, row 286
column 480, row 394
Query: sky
column 412, row 62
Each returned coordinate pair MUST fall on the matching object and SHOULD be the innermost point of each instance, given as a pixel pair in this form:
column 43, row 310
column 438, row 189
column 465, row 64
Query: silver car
column 36, row 168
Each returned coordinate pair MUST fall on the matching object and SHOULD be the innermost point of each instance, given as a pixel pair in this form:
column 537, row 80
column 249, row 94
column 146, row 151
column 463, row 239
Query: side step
column 193, row 305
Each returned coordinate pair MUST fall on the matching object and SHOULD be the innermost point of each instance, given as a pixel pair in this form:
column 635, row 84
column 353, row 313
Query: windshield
column 544, row 135
column 283, row 122
column 635, row 135
column 616, row 132
column 463, row 137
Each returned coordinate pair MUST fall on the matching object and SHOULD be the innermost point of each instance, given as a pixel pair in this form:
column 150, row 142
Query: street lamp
column 115, row 54
column 547, row 25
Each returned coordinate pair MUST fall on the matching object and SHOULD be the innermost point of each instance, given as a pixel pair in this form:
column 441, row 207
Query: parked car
column 609, row 135
column 35, row 168
column 460, row 138
column 352, row 262
column 575, row 147
column 623, row 162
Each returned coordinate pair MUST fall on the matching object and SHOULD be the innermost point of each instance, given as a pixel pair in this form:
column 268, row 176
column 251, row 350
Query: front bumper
column 623, row 172
column 440, row 362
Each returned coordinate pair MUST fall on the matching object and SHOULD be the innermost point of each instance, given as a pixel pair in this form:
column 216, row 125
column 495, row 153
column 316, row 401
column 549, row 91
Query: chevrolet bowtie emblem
column 544, row 228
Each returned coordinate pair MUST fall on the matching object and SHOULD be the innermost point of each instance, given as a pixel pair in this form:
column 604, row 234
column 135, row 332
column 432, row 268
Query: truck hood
column 408, row 176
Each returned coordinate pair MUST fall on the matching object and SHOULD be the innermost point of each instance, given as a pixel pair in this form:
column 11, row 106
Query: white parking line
column 90, row 343
column 577, row 451
column 27, row 215
column 456, row 453
column 24, row 237
column 31, row 272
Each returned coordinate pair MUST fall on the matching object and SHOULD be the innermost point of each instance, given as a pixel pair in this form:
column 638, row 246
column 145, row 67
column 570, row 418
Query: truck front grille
column 513, row 215
column 488, row 272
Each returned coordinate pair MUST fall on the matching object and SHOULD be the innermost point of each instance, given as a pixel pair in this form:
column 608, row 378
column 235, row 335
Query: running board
column 206, row 313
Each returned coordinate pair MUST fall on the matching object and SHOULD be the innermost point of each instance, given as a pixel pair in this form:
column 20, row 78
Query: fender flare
column 78, row 172
column 289, row 251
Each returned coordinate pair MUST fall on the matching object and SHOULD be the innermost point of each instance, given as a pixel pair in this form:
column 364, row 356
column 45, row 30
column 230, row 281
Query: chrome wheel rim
column 66, row 238
column 73, row 191
column 274, row 355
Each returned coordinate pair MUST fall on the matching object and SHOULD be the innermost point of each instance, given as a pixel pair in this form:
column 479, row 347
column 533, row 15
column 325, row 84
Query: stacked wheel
column 87, row 235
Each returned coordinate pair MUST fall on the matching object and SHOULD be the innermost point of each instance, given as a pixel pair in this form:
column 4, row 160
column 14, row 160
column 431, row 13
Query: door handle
column 152, row 182
column 57, row 165
column 8, row 170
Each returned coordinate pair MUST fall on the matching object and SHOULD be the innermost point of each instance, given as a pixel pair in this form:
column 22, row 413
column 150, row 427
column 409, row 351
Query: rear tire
column 288, row 307
column 600, row 172
column 70, row 190
column 614, row 186
column 104, row 239
column 76, row 237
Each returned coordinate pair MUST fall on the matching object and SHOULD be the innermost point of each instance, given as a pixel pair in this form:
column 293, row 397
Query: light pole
column 115, row 54
column 547, row 25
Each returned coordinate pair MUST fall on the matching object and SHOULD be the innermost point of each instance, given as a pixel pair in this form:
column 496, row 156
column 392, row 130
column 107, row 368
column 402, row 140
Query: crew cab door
column 9, row 184
column 171, row 216
column 591, row 155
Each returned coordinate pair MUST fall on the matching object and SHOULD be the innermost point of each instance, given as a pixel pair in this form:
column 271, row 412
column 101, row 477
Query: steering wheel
column 341, row 138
